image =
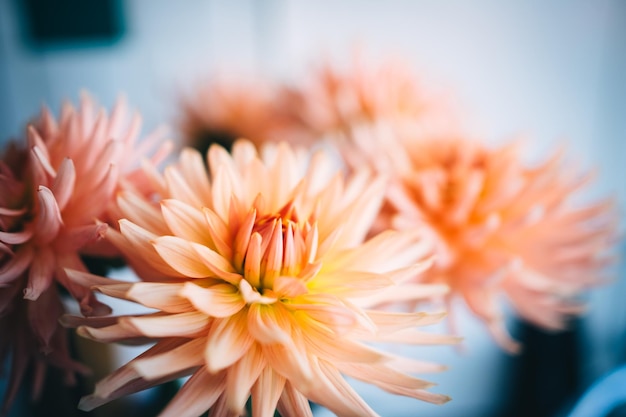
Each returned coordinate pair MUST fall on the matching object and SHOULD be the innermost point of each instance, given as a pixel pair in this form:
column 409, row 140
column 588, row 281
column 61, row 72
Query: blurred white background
column 554, row 70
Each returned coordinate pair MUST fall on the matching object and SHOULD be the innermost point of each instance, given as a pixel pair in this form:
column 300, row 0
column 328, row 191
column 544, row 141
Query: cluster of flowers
column 272, row 270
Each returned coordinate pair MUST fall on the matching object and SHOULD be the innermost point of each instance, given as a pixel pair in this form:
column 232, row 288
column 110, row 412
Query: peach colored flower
column 225, row 109
column 338, row 100
column 504, row 229
column 263, row 288
column 51, row 199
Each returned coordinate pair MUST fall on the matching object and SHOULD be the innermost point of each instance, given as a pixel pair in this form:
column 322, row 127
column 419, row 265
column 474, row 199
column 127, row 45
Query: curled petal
column 221, row 300
column 63, row 185
column 228, row 341
column 170, row 325
column 49, row 221
column 41, row 273
column 16, row 238
column 267, row 324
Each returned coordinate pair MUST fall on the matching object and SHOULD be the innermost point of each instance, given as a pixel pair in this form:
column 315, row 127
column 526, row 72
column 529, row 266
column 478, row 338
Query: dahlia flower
column 264, row 288
column 504, row 229
column 338, row 100
column 223, row 110
column 52, row 194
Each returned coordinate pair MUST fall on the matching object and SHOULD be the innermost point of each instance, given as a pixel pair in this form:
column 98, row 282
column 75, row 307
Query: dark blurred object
column 102, row 266
column 203, row 140
column 546, row 375
column 619, row 411
column 71, row 23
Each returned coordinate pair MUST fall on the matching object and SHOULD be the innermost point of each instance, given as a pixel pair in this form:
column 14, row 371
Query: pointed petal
column 267, row 324
column 293, row 404
column 63, row 186
column 221, row 300
column 15, row 266
column 41, row 273
column 266, row 392
column 228, row 341
column 198, row 394
column 241, row 376
column 185, row 221
column 170, row 325
column 49, row 221
column 179, row 254
column 219, row 265
column 185, row 356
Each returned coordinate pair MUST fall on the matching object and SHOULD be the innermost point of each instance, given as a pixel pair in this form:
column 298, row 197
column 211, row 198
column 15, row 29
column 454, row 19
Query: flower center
column 279, row 246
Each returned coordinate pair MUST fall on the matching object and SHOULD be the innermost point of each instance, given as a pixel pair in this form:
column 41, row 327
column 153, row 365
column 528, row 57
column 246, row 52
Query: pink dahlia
column 263, row 288
column 504, row 229
column 53, row 194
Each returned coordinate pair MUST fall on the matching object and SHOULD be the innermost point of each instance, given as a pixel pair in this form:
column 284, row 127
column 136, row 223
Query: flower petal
column 292, row 403
column 49, row 221
column 241, row 376
column 221, row 300
column 268, row 324
column 266, row 392
column 228, row 341
column 198, row 394
column 170, row 325
column 63, row 186
column 179, row 254
column 185, row 221
column 185, row 356
column 219, row 265
column 41, row 273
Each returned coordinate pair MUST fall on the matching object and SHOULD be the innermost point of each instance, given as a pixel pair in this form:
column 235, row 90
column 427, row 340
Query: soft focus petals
column 292, row 403
column 17, row 264
column 41, row 274
column 331, row 388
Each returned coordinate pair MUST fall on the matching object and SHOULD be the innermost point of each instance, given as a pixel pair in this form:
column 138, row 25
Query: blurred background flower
column 551, row 69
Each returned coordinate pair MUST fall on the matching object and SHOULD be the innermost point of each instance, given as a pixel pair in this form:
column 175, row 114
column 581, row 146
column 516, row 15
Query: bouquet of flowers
column 300, row 231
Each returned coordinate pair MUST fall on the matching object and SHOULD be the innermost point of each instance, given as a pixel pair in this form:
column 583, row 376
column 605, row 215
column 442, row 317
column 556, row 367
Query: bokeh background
column 552, row 70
